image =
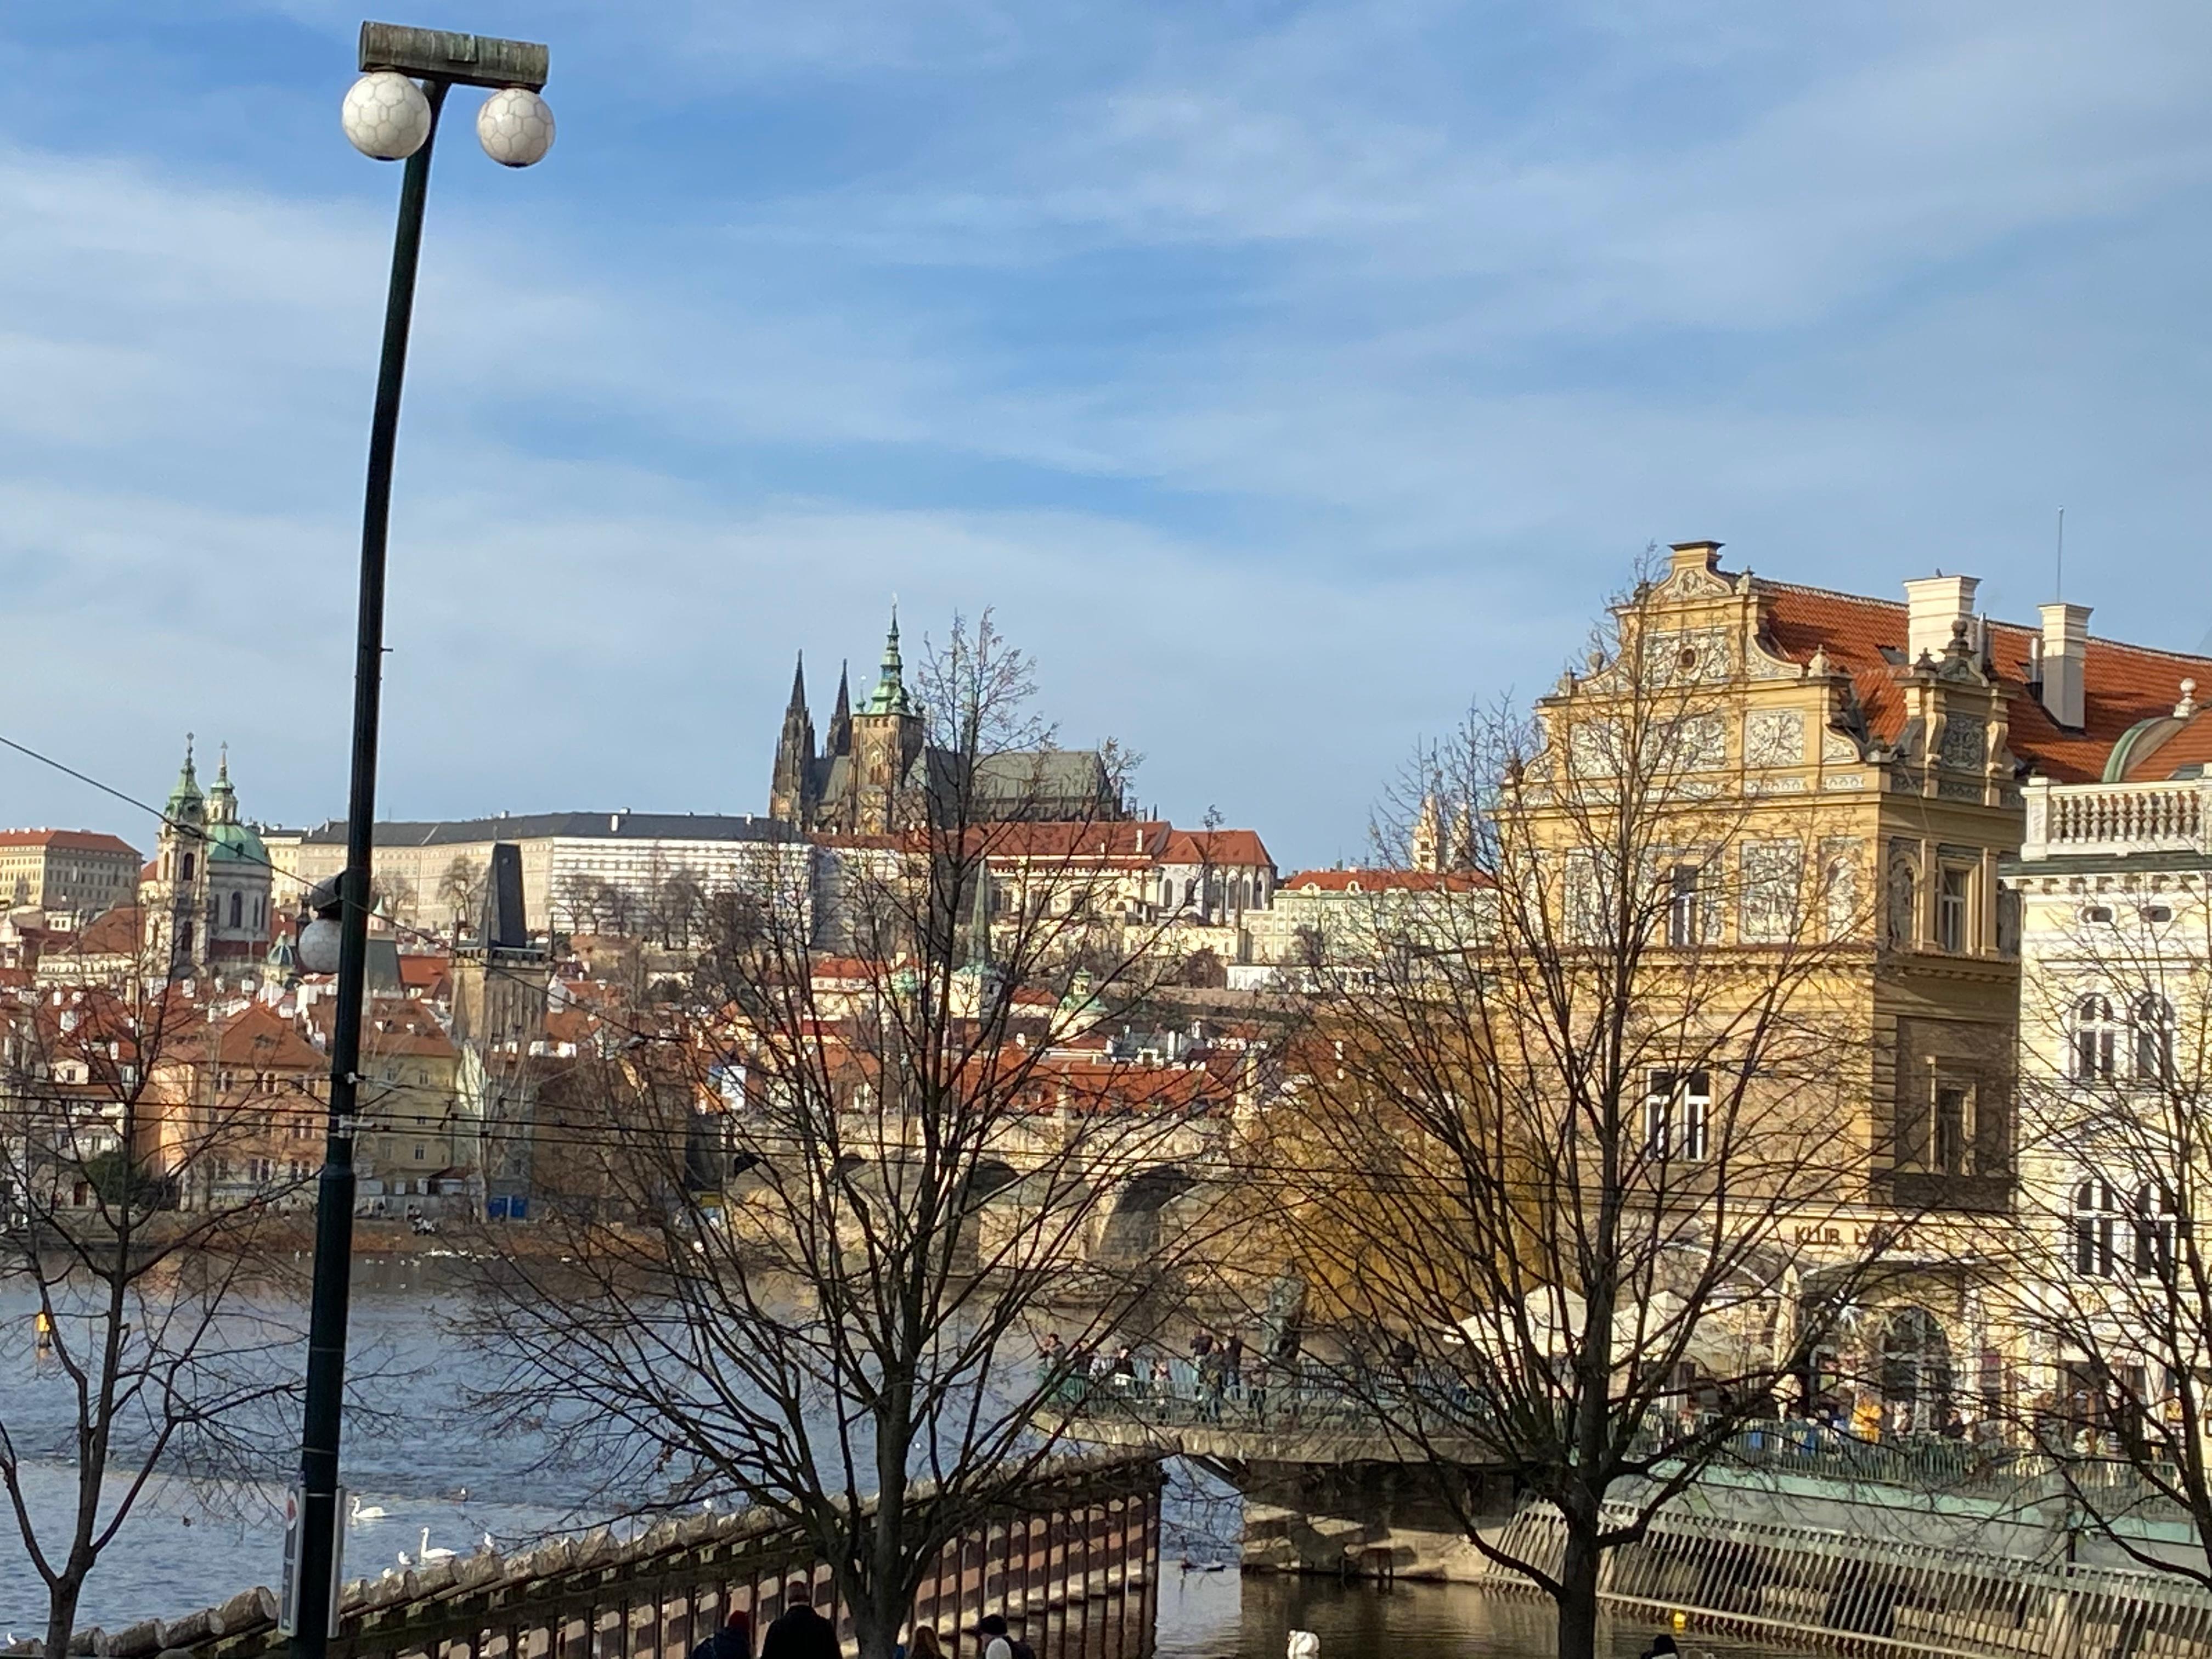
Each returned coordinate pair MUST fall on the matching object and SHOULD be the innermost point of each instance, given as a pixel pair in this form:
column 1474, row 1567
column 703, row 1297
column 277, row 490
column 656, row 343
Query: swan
column 358, row 1514
column 431, row 1552
column 488, row 1546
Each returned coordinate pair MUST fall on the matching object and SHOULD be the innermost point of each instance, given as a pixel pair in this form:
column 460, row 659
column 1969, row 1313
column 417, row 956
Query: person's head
column 798, row 1593
column 991, row 1623
column 1663, row 1642
column 925, row 1645
column 1121, row 1352
column 740, row 1621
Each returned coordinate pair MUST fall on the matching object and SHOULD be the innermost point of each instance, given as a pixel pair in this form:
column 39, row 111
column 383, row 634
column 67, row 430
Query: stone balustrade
column 2115, row 820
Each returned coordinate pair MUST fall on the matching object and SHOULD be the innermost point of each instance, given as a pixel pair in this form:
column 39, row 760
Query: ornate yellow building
column 1867, row 762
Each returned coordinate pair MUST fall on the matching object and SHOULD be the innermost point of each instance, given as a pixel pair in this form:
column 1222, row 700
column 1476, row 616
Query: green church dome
column 235, row 843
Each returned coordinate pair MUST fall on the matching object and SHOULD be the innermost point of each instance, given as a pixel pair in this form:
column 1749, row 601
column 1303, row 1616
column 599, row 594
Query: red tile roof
column 424, row 973
column 2171, row 748
column 1218, row 848
column 2124, row 683
column 73, row 841
column 113, row 932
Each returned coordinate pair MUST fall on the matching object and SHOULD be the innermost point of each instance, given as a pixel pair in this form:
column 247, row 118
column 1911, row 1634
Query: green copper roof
column 235, row 843
column 889, row 695
column 185, row 796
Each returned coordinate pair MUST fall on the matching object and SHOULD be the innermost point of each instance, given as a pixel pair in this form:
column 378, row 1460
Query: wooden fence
column 1806, row 1586
column 1074, row 1568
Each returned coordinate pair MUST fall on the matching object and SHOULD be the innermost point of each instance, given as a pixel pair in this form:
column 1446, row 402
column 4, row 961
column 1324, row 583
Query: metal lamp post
column 391, row 114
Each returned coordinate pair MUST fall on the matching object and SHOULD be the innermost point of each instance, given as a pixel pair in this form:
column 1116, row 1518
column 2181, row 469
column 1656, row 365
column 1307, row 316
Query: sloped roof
column 586, row 826
column 2175, row 746
column 72, row 841
column 2122, row 684
column 254, row 1039
column 1216, row 846
column 115, row 932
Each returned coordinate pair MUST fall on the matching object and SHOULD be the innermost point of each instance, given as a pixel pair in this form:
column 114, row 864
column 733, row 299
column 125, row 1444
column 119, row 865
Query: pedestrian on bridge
column 800, row 1633
column 997, row 1643
column 733, row 1639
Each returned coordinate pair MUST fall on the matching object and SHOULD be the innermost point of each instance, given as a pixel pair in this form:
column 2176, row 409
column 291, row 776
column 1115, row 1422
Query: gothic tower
column 887, row 738
column 841, row 721
column 790, row 794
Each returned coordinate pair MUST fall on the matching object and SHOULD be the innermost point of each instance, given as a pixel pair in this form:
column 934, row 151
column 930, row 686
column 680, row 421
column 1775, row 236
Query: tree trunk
column 1578, row 1597
column 61, row 1599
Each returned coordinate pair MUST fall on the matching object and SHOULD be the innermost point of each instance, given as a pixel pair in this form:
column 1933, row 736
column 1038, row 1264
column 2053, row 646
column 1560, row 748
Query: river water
column 430, row 1465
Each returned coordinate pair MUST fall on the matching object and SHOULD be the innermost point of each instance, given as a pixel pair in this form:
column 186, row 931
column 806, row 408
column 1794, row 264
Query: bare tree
column 461, row 888
column 820, row 1216
column 142, row 1178
column 2113, row 1286
column 1567, row 1151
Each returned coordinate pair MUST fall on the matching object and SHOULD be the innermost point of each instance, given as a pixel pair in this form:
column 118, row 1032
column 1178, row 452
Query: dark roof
column 539, row 826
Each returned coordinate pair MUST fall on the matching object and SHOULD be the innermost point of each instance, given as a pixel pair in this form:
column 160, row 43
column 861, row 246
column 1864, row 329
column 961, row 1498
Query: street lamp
column 391, row 114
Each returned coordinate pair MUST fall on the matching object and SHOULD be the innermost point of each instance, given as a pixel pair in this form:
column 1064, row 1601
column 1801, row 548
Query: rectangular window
column 1678, row 1108
column 1952, row 903
column 1658, row 1111
column 1695, row 1116
column 1954, row 1129
column 1682, row 906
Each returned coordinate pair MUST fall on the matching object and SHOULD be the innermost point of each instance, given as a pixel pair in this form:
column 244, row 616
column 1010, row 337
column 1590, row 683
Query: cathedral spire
column 789, row 795
column 890, row 696
column 840, row 715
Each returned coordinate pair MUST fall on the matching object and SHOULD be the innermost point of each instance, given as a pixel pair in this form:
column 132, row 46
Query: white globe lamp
column 386, row 115
column 318, row 948
column 515, row 127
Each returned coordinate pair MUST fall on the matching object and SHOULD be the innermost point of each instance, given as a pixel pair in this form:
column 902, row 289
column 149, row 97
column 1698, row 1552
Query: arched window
column 2096, row 1217
column 2152, row 1028
column 2155, row 1223
column 2095, row 1038
column 188, row 866
column 238, row 910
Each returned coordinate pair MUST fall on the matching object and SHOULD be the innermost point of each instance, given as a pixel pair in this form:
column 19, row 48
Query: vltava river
column 432, row 1466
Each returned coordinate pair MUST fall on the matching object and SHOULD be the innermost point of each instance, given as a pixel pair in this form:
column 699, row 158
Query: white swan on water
column 358, row 1514
column 428, row 1555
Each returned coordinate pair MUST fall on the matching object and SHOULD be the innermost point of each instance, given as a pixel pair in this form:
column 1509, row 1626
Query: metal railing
column 1813, row 1587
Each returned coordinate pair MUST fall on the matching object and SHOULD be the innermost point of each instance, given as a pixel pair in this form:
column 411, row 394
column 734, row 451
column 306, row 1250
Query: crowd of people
column 1218, row 1370
column 800, row 1631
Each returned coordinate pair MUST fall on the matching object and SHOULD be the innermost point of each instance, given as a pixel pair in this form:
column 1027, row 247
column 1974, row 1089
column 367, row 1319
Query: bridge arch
column 1139, row 1221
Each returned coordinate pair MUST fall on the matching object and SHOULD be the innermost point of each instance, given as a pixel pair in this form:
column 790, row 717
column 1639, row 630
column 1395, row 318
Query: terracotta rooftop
column 2124, row 683
column 73, row 841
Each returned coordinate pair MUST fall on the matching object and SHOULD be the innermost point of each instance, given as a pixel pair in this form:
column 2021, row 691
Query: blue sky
column 1285, row 375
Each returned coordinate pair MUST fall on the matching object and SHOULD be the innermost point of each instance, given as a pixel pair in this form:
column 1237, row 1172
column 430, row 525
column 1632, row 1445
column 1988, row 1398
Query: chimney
column 1933, row 607
column 1693, row 556
column 2065, row 656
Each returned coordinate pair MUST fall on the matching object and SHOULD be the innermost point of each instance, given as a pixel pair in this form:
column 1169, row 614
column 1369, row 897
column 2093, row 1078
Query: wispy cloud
column 1286, row 374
